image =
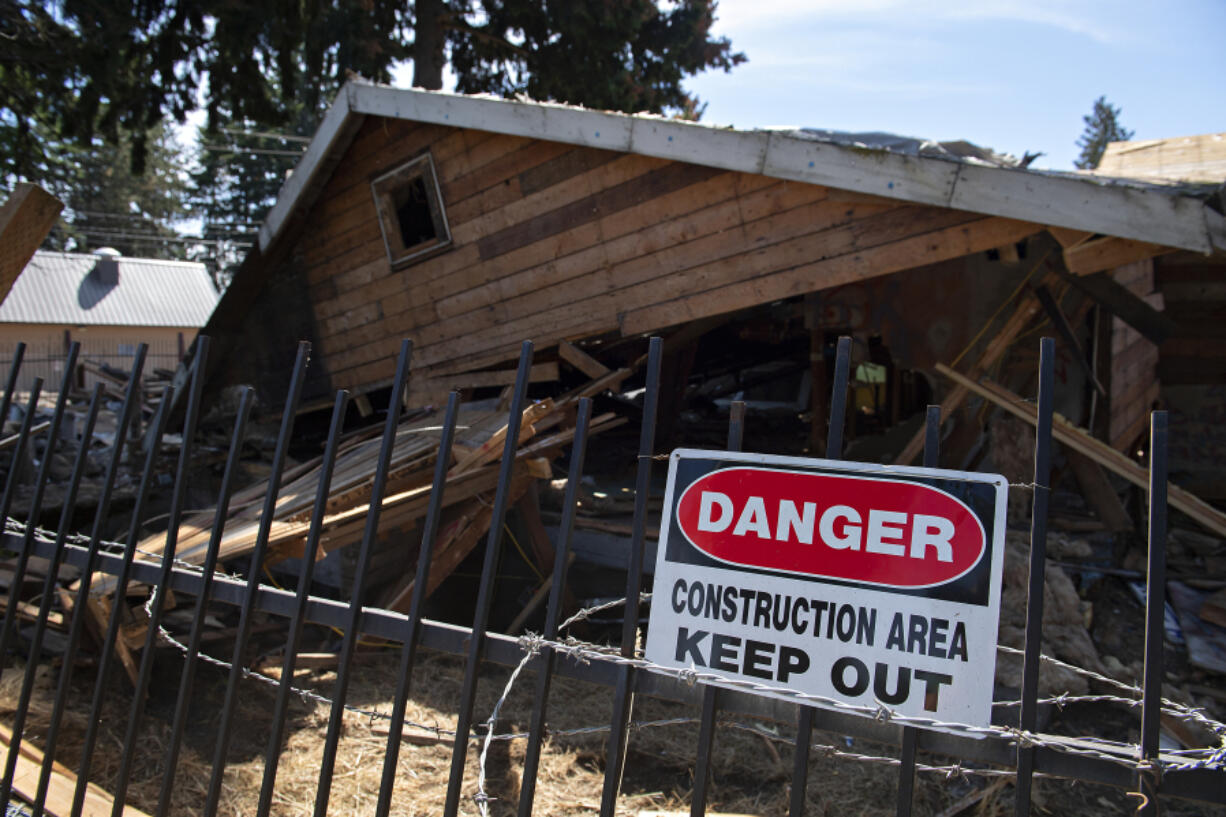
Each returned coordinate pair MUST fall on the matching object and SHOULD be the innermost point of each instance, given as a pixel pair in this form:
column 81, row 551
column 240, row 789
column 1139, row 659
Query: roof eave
column 1150, row 215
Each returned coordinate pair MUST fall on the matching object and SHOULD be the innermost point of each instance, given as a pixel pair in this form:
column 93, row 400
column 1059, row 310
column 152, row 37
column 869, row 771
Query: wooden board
column 1080, row 440
column 62, row 785
column 581, row 360
column 1107, row 252
column 903, row 253
column 25, row 219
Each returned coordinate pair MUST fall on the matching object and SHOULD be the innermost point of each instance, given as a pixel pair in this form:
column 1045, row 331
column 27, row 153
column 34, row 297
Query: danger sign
column 863, row 583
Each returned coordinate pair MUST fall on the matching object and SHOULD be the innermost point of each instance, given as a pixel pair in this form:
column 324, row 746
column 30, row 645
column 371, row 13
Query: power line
column 165, row 239
column 262, row 151
column 306, row 140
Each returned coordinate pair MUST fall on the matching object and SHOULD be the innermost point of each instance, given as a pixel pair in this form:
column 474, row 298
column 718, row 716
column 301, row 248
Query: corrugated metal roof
column 67, row 288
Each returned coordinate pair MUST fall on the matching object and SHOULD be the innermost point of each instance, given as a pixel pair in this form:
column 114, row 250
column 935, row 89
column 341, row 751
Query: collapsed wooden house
column 469, row 224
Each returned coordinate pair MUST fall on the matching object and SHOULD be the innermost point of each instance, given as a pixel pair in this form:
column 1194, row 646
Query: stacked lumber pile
column 545, row 428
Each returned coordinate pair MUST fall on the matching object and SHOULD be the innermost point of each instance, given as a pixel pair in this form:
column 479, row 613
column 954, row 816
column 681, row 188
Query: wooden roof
column 1094, row 204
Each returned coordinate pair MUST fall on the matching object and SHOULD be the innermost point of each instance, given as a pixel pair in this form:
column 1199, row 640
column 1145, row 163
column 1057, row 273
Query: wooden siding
column 555, row 242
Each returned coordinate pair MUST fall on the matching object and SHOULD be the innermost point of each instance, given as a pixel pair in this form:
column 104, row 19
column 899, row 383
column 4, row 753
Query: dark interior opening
column 413, row 213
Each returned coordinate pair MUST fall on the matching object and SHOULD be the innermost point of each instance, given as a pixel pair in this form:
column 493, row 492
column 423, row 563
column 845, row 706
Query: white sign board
column 860, row 583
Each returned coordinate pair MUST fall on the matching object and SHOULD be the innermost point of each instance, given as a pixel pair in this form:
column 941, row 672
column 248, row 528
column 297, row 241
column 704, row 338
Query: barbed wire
column 1123, row 754
column 16, row 526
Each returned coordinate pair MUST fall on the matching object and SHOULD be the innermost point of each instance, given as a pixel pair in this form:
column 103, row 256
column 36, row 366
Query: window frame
column 383, row 189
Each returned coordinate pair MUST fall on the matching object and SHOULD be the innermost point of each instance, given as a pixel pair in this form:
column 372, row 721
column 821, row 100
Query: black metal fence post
column 910, row 735
column 120, row 590
column 485, row 591
column 544, row 673
column 131, row 401
column 349, row 643
column 408, row 650
column 306, row 573
column 157, row 602
column 36, row 503
column 10, row 384
column 623, row 696
column 1038, row 570
column 834, row 451
column 710, row 694
column 241, row 637
column 53, row 569
column 1155, row 604
column 188, row 676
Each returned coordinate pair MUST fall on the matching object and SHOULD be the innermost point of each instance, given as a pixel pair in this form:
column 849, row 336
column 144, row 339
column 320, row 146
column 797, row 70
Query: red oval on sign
column 875, row 531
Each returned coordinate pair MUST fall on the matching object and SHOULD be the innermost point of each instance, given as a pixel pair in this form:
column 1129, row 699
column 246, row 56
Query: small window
column 410, row 211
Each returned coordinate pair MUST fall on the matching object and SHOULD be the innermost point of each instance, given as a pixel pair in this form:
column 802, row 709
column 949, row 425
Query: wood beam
column 1121, row 302
column 1026, row 310
column 1107, row 253
column 1080, row 441
column 1069, row 238
column 25, row 219
column 581, row 360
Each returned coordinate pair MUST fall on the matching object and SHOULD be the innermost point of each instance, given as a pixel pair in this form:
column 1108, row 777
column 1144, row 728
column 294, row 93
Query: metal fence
column 47, row 360
column 1018, row 752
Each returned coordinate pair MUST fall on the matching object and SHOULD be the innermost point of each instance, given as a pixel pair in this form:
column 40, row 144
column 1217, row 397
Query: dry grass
column 750, row 774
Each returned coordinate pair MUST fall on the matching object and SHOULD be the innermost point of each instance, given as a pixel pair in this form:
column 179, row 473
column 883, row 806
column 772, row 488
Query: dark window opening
column 413, row 214
column 410, row 210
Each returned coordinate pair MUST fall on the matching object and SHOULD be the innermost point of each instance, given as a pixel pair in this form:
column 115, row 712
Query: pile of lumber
column 114, row 381
column 545, row 428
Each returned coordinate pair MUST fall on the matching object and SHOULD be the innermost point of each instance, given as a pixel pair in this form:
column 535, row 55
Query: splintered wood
column 545, row 427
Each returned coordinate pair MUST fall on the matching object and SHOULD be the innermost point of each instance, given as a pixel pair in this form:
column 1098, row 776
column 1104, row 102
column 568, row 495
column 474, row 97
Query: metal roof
column 73, row 289
column 1115, row 207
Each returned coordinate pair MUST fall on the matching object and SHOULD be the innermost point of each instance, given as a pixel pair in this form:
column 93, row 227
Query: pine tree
column 1102, row 126
column 106, row 204
column 626, row 56
column 107, row 67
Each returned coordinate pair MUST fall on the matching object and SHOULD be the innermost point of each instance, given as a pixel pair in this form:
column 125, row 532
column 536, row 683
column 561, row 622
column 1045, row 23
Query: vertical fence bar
column 10, row 385
column 1155, row 604
column 352, row 634
column 188, row 676
column 910, row 735
column 252, row 587
column 485, row 591
column 120, row 592
column 35, row 511
column 408, row 651
column 834, row 451
column 11, row 482
column 158, row 600
column 131, row 402
column 623, row 696
column 306, row 572
column 23, row 558
column 710, row 694
column 1038, row 567
column 544, row 674
column 53, row 570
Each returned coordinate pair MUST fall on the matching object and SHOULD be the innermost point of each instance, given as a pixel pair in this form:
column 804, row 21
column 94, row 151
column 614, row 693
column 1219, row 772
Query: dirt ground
column 751, row 772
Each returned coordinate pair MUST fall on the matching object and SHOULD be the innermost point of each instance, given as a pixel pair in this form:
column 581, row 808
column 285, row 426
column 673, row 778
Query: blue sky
column 1014, row 75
